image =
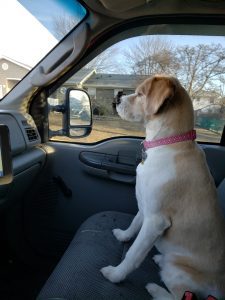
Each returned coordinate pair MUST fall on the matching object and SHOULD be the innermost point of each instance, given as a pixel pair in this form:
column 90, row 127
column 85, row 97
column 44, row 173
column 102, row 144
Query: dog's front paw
column 112, row 274
column 121, row 235
column 158, row 259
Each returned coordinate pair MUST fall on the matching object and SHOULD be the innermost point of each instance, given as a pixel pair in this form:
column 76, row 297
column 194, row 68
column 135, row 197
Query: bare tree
column 150, row 55
column 201, row 68
column 107, row 61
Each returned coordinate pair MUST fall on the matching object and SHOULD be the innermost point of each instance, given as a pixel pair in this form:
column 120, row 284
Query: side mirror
column 78, row 113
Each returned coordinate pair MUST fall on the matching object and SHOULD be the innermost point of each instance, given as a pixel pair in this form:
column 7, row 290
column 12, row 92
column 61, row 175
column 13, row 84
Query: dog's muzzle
column 118, row 97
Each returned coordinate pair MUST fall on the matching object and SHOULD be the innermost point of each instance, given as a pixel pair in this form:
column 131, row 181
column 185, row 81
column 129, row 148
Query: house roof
column 81, row 76
column 89, row 78
column 15, row 62
column 114, row 80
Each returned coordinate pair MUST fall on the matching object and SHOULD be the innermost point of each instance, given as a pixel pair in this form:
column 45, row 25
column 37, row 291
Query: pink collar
column 188, row 136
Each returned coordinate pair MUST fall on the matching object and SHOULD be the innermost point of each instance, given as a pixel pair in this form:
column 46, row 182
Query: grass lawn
column 107, row 127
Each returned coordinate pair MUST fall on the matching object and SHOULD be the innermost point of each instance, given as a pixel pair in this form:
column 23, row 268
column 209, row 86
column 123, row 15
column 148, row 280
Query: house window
column 92, row 92
column 5, row 66
column 11, row 83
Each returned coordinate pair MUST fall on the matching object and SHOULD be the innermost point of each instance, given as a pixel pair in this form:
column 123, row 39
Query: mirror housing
column 78, row 113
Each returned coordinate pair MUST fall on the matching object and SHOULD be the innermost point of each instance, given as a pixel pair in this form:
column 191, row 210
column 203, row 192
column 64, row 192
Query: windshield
column 29, row 30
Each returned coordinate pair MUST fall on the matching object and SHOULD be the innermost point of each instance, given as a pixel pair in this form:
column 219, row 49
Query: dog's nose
column 118, row 98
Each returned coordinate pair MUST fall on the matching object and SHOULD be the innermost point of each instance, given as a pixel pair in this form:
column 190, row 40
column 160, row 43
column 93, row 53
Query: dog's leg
column 177, row 291
column 158, row 259
column 176, row 280
column 151, row 229
column 158, row 293
column 129, row 233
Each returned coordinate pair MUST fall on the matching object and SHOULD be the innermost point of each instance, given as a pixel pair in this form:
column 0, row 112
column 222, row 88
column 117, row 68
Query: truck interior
column 69, row 177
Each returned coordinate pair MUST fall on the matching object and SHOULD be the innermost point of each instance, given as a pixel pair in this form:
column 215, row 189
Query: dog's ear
column 162, row 89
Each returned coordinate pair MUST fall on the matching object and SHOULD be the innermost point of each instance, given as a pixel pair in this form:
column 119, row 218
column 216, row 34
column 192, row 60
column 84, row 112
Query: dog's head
column 155, row 97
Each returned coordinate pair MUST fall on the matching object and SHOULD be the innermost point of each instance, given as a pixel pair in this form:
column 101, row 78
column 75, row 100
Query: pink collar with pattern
column 188, row 136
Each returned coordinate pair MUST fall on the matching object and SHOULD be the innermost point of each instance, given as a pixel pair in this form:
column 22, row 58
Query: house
column 11, row 72
column 103, row 87
column 106, row 86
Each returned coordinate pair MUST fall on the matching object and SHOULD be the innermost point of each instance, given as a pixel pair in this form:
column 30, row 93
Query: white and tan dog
column 177, row 198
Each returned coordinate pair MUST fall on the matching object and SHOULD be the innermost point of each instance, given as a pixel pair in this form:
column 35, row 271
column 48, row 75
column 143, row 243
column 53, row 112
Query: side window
column 198, row 62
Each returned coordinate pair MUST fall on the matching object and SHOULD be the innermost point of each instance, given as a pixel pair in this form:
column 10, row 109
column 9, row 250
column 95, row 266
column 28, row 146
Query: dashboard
column 28, row 155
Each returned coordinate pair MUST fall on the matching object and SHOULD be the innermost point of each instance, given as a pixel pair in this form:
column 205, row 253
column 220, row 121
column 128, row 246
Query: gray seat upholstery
column 77, row 275
column 221, row 194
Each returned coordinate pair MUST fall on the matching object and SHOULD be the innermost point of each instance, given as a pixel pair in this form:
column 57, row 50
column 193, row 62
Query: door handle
column 109, row 166
column 109, row 162
column 71, row 48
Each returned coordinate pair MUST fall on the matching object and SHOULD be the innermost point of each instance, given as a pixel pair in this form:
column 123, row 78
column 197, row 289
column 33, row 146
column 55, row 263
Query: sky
column 47, row 10
column 23, row 38
column 195, row 40
column 181, row 40
column 176, row 40
column 26, row 39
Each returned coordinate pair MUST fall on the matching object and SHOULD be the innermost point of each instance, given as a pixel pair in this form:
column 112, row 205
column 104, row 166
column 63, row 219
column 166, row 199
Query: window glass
column 29, row 30
column 197, row 61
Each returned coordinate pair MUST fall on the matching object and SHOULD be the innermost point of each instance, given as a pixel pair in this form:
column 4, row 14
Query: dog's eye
column 139, row 94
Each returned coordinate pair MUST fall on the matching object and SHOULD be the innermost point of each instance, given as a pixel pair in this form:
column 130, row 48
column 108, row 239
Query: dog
column 178, row 210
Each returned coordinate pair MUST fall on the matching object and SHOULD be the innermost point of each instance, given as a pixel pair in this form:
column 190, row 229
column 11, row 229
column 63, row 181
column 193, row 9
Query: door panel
column 77, row 183
column 52, row 216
